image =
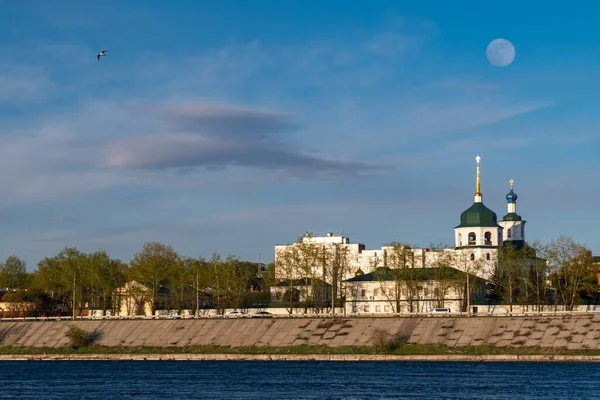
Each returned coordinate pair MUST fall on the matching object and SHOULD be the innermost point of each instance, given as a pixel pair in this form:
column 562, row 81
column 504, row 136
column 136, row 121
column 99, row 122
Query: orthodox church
column 478, row 238
column 480, row 235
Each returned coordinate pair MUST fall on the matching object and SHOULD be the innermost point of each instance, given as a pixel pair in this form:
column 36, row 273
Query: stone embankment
column 574, row 332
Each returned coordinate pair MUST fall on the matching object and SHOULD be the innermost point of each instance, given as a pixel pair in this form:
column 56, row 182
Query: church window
column 376, row 292
column 472, row 256
column 472, row 239
column 460, row 239
column 386, row 308
column 488, row 238
column 366, row 308
column 508, row 234
column 377, row 308
column 487, row 256
column 363, row 293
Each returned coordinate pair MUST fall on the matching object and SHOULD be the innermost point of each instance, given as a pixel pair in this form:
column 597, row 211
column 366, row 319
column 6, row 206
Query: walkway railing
column 481, row 314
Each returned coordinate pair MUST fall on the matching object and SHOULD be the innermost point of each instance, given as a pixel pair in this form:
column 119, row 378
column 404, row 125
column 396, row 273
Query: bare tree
column 572, row 270
column 288, row 264
column 536, row 277
column 338, row 268
column 442, row 273
column 396, row 279
column 470, row 265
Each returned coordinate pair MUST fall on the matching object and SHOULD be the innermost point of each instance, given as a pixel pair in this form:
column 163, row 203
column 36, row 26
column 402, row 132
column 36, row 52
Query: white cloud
column 22, row 84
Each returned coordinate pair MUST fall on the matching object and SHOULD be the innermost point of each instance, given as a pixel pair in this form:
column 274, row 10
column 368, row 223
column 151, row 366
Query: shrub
column 78, row 337
column 325, row 324
column 381, row 340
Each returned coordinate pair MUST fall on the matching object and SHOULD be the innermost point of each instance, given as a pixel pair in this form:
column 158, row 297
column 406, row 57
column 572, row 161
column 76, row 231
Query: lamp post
column 73, row 299
column 197, row 290
column 334, row 276
column 75, row 270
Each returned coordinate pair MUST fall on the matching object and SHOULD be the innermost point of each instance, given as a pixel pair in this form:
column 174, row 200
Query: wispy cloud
column 65, row 218
column 440, row 118
column 217, row 136
column 23, row 83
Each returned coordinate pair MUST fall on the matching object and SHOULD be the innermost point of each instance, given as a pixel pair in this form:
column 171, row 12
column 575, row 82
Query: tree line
column 561, row 273
column 535, row 275
column 74, row 280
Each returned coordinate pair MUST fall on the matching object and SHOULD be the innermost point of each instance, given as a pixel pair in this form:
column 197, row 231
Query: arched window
column 488, row 238
column 487, row 256
column 460, row 239
column 472, row 238
column 508, row 234
column 363, row 293
column 472, row 257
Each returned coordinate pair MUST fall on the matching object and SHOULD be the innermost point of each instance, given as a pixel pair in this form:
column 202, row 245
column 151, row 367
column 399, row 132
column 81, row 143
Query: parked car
column 170, row 315
column 261, row 314
column 440, row 311
column 236, row 314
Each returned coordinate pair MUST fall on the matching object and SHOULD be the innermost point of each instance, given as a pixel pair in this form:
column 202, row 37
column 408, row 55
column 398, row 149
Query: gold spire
column 478, row 185
column 511, row 184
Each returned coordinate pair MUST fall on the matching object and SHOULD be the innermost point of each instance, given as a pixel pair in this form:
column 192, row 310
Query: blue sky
column 233, row 126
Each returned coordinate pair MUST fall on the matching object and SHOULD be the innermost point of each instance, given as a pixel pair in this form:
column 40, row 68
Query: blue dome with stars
column 511, row 197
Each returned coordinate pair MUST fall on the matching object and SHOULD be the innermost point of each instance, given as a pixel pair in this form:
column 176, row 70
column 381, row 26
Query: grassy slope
column 401, row 349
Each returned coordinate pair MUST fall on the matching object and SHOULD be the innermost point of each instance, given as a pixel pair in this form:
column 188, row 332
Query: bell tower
column 478, row 235
column 513, row 224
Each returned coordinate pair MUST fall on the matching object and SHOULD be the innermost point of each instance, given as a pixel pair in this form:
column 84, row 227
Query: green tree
column 13, row 273
column 232, row 279
column 183, row 283
column 105, row 275
column 288, row 267
column 62, row 277
column 153, row 266
column 304, row 265
column 495, row 286
column 198, row 269
column 514, row 263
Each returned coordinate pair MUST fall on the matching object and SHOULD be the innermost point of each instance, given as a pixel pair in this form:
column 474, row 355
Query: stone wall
column 570, row 331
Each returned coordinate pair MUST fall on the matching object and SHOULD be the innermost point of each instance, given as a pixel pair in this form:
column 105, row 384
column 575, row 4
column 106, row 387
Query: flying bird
column 101, row 54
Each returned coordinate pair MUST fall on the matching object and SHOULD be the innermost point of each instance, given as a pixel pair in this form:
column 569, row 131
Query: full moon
column 500, row 52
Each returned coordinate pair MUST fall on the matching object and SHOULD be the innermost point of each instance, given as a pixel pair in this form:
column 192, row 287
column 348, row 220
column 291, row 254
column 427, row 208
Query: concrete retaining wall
column 572, row 332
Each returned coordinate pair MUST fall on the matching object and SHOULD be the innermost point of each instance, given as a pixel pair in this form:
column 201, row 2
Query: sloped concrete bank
column 577, row 332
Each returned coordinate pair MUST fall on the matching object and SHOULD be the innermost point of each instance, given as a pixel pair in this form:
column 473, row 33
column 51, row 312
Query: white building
column 477, row 240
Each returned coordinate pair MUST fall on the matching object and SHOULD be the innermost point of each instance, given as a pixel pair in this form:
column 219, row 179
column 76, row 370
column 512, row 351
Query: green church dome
column 478, row 215
column 512, row 217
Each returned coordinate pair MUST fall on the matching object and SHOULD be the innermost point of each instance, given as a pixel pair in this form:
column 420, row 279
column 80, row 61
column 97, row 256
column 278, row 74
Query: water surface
column 296, row 380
